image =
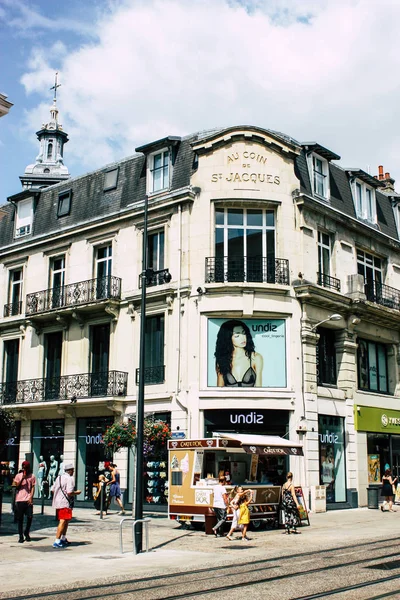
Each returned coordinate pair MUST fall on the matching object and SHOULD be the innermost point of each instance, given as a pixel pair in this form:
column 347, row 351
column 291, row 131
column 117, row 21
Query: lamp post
column 147, row 276
column 140, row 398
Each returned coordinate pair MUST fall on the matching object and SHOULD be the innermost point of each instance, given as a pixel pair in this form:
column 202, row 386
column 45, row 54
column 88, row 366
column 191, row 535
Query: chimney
column 388, row 182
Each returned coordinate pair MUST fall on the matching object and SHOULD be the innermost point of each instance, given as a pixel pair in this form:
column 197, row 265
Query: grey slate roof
column 89, row 200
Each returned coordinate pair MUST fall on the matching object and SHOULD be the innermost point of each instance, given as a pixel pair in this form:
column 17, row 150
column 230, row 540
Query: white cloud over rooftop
column 318, row 70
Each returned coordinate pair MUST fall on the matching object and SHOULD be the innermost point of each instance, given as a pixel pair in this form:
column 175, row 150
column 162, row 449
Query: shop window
column 48, row 458
column 372, row 366
column 326, row 357
column 332, row 457
column 9, row 454
column 378, row 449
column 91, row 453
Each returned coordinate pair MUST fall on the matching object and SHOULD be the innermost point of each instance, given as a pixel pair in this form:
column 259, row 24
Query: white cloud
column 314, row 69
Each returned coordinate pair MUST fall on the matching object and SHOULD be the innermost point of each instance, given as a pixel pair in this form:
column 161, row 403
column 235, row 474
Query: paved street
column 343, row 555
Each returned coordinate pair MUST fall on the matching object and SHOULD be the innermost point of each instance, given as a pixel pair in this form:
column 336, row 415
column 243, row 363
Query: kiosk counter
column 196, row 465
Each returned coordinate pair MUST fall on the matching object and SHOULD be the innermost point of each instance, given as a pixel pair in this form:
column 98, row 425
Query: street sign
column 178, row 435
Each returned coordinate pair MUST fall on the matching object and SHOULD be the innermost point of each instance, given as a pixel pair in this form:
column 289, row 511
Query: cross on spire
column 54, row 87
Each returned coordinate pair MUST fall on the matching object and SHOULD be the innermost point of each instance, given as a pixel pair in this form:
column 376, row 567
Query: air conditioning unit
column 25, row 230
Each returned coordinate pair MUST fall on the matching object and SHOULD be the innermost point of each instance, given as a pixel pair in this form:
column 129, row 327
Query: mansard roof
column 90, row 202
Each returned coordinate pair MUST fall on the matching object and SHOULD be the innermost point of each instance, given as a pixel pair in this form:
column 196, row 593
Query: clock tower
column 49, row 167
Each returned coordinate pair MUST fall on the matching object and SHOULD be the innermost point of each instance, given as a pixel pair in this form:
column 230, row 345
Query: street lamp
column 147, row 277
column 334, row 317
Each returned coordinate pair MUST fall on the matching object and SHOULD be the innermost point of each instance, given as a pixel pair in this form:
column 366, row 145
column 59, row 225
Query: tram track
column 207, row 581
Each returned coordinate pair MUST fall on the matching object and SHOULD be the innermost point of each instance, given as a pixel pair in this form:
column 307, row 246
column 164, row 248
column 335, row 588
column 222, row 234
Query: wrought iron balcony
column 152, row 375
column 74, row 294
column 13, row 309
column 255, row 269
column 328, row 281
column 65, row 387
column 382, row 294
column 156, row 277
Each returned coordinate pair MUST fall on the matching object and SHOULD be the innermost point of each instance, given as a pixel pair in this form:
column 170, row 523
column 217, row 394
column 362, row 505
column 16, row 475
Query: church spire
column 49, row 167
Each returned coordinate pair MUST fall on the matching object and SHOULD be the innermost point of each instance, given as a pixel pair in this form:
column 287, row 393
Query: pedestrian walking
column 115, row 489
column 244, row 513
column 219, row 505
column 63, row 501
column 290, row 505
column 234, row 498
column 387, row 490
column 25, row 483
column 100, row 497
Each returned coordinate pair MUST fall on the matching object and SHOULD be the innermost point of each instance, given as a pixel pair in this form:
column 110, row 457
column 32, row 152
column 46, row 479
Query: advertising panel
column 246, row 353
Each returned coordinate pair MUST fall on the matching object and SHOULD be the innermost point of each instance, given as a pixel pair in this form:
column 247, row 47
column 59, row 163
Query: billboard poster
column 246, row 353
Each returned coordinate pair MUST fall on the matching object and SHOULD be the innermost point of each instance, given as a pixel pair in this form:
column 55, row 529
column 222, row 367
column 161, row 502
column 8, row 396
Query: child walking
column 244, row 514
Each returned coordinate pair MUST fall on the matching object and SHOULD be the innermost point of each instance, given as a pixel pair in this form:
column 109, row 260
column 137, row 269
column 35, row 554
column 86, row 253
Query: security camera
column 200, row 291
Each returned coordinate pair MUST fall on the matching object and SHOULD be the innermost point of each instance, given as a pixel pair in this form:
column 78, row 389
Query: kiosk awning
column 266, row 445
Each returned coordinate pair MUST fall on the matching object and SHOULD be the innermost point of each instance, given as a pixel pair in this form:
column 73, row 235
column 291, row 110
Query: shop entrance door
column 396, row 455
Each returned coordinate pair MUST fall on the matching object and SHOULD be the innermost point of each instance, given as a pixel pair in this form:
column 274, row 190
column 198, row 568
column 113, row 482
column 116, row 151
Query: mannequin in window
column 52, row 471
column 41, row 474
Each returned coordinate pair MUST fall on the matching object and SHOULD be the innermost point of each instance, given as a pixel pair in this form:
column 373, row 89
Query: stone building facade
column 245, row 225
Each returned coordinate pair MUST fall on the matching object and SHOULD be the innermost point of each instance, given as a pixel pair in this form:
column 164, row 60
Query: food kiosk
column 196, row 465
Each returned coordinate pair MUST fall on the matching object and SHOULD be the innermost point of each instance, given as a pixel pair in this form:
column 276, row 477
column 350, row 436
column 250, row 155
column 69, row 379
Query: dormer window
column 364, row 200
column 111, row 179
column 24, row 217
column 160, row 171
column 320, row 176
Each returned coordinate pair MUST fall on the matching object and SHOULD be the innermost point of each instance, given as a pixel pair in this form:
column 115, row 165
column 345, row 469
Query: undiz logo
column 328, row 438
column 249, row 418
column 264, row 328
column 94, row 439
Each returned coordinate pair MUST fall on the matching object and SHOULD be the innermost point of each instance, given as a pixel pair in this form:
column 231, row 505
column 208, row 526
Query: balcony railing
column 328, row 281
column 65, row 387
column 152, row 375
column 13, row 309
column 382, row 294
column 255, row 269
column 74, row 294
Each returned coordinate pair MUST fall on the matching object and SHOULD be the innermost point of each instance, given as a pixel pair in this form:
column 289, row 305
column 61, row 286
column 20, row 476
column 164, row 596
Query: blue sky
column 135, row 70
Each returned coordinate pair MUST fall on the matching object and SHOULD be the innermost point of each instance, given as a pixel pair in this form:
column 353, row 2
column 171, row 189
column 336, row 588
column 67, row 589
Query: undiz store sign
column 93, row 439
column 249, row 418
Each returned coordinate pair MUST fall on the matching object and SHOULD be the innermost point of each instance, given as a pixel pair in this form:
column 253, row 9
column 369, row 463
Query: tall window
column 372, row 367
column 154, row 355
column 24, row 218
column 320, row 176
column 14, row 294
column 53, row 351
column 324, row 258
column 160, row 171
column 50, row 149
column 155, row 256
column 370, row 267
column 244, row 244
column 364, row 198
column 10, row 371
column 100, row 355
column 57, row 283
column 103, row 271
column 326, row 357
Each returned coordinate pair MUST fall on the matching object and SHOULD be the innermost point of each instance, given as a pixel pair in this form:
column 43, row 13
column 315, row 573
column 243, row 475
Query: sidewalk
column 94, row 553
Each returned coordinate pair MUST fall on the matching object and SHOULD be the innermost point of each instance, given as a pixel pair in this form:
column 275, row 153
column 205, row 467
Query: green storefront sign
column 378, row 420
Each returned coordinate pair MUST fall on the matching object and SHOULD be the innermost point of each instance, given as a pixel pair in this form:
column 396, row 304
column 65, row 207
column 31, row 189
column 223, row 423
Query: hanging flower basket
column 117, row 436
column 123, row 435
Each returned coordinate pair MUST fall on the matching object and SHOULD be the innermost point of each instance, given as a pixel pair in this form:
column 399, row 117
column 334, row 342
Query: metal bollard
column 101, row 499
column 145, row 521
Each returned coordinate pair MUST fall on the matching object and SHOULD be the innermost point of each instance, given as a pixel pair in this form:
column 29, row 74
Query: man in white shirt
column 219, row 505
column 63, row 497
